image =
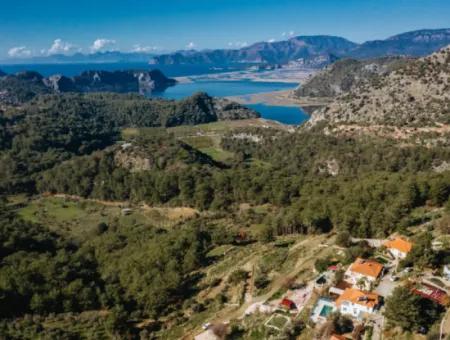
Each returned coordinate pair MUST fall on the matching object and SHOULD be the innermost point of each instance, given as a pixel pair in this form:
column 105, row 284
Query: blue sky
column 33, row 27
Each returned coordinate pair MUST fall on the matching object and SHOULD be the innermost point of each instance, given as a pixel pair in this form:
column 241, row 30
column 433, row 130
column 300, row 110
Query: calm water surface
column 286, row 115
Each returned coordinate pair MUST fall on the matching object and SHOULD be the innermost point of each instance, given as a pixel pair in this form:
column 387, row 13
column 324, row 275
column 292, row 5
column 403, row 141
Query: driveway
column 377, row 321
column 386, row 286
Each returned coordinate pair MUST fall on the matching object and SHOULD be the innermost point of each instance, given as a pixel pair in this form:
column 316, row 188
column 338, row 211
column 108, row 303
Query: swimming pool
column 323, row 308
column 326, row 310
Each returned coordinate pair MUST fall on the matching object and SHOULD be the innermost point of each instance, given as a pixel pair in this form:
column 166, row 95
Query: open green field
column 79, row 218
column 207, row 137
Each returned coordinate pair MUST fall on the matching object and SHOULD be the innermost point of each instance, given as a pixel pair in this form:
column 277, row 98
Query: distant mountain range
column 310, row 50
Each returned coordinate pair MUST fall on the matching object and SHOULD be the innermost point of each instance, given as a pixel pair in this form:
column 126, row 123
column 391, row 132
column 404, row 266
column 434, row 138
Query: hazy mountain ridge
column 417, row 94
column 309, row 48
column 415, row 43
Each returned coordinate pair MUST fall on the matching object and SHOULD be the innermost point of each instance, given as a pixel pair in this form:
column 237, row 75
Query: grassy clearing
column 207, row 137
column 218, row 154
column 80, row 218
column 220, row 250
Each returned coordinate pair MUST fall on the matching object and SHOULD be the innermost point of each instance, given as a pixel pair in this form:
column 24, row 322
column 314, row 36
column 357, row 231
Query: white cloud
column 144, row 49
column 190, row 46
column 19, row 52
column 271, row 40
column 238, row 44
column 60, row 47
column 102, row 45
column 288, row 34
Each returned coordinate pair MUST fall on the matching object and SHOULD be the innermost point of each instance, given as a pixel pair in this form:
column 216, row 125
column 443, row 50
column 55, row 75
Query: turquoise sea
column 217, row 88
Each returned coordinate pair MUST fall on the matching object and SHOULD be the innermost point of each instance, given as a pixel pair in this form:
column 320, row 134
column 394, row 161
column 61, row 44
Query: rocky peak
column 416, row 94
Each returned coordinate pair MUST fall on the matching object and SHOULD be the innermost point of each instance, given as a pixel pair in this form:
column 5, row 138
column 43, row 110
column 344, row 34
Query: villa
column 398, row 247
column 363, row 273
column 357, row 303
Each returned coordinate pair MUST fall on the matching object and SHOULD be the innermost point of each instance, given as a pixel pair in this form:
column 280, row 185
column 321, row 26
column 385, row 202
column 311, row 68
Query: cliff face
column 143, row 82
column 15, row 89
column 416, row 94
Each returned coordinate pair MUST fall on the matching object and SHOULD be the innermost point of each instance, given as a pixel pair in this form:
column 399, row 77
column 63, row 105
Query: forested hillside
column 127, row 217
column 49, row 129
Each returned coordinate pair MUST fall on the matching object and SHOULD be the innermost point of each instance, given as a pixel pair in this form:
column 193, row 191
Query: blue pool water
column 326, row 310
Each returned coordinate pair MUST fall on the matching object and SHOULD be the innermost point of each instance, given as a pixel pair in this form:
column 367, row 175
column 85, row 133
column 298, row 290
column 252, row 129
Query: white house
column 363, row 273
column 446, row 272
column 357, row 303
column 398, row 247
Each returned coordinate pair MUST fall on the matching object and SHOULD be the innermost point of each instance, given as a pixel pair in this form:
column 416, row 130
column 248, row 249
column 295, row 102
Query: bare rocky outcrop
column 416, row 94
column 343, row 75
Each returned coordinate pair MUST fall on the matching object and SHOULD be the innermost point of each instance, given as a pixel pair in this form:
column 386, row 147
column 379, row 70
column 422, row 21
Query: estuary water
column 217, row 88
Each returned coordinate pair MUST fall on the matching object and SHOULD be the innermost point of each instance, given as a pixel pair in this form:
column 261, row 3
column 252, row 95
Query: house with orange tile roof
column 337, row 337
column 363, row 273
column 398, row 247
column 357, row 303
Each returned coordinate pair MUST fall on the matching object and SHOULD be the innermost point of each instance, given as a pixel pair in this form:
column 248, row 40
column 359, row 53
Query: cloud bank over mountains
column 60, row 46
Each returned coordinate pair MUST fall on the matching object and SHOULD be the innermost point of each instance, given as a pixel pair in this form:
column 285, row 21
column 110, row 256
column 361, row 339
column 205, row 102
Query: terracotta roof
column 399, row 244
column 367, row 267
column 359, row 297
column 343, row 285
column 337, row 337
